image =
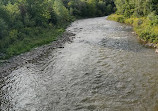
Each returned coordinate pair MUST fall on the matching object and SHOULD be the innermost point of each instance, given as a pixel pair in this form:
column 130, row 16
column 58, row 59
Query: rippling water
column 103, row 69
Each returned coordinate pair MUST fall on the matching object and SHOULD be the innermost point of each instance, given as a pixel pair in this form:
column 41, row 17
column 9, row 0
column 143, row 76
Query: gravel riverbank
column 7, row 66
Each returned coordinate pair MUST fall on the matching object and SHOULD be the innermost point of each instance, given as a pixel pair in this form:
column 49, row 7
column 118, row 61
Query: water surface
column 105, row 68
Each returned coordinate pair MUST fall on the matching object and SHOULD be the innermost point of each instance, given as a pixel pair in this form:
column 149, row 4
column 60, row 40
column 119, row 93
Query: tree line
column 90, row 8
column 138, row 8
column 24, row 20
column 142, row 15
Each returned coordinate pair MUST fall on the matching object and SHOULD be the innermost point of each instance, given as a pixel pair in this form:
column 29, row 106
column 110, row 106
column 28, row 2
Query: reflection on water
column 104, row 69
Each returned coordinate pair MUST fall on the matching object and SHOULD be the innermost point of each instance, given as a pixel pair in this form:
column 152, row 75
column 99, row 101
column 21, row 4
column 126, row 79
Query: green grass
column 146, row 29
column 24, row 40
column 117, row 18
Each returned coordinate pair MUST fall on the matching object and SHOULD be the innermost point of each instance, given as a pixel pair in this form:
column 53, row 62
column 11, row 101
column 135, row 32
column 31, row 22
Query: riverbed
column 104, row 68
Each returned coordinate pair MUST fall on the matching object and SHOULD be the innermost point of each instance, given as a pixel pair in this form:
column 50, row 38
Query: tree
column 136, row 7
column 3, row 28
column 91, row 8
column 61, row 11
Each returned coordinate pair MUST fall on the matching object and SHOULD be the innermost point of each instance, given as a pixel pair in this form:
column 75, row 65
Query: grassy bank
column 145, row 27
column 20, row 41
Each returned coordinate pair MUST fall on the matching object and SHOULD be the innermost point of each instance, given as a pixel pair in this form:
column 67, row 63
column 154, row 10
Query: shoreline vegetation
column 27, row 24
column 35, row 54
column 142, row 15
column 147, row 33
column 35, row 37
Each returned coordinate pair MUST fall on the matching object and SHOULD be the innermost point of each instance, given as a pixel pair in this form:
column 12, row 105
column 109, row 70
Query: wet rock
column 156, row 51
column 4, row 61
column 60, row 47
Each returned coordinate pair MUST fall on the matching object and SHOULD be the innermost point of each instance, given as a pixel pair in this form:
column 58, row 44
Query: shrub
column 13, row 35
column 129, row 21
column 118, row 18
column 144, row 27
column 153, row 18
column 3, row 28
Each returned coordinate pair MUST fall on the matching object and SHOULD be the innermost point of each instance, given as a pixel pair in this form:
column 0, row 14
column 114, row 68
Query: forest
column 26, row 24
column 142, row 14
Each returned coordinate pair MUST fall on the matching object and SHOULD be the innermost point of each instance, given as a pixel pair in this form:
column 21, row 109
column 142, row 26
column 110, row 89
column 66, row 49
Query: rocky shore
column 7, row 66
column 148, row 44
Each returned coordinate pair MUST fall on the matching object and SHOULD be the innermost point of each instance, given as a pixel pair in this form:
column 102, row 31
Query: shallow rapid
column 105, row 68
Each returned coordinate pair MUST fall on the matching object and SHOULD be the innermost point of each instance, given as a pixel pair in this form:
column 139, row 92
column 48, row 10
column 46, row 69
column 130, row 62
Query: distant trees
column 4, row 21
column 34, row 13
column 29, row 13
column 136, row 7
column 19, row 14
column 23, row 20
column 90, row 8
column 62, row 13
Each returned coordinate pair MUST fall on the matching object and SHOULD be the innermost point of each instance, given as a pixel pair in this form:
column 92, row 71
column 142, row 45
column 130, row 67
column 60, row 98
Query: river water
column 105, row 68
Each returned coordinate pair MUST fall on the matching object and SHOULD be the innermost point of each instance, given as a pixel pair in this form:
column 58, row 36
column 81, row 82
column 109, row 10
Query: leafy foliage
column 142, row 14
column 136, row 8
column 29, row 23
column 90, row 8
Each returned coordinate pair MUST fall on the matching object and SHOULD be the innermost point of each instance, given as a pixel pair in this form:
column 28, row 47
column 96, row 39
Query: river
column 105, row 68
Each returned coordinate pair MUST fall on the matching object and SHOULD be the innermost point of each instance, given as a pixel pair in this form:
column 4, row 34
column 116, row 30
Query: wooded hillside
column 29, row 23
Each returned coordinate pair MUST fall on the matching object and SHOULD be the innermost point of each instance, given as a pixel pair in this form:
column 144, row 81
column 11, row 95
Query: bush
column 3, row 28
column 129, row 21
column 153, row 18
column 143, row 26
column 13, row 35
column 118, row 18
